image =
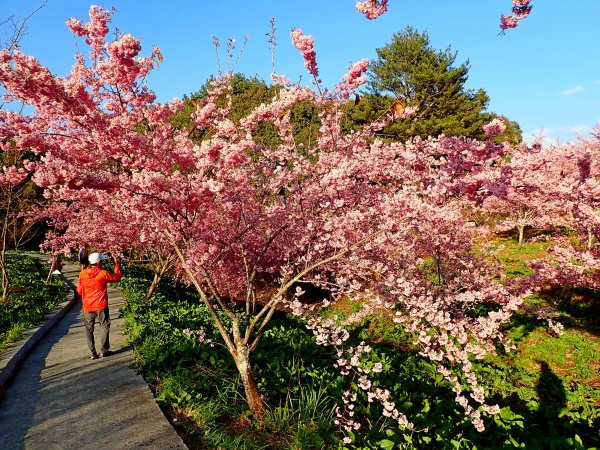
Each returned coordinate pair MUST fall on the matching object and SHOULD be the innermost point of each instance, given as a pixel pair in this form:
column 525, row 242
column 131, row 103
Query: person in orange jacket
column 92, row 288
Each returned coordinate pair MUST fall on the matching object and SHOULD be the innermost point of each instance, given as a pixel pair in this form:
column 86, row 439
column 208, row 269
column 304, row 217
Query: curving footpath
column 60, row 399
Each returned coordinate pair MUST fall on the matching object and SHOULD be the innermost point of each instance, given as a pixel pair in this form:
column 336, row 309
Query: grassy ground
column 557, row 377
column 514, row 257
column 548, row 389
column 197, row 385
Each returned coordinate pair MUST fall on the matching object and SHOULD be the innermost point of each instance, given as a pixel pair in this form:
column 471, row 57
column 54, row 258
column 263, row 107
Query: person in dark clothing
column 82, row 256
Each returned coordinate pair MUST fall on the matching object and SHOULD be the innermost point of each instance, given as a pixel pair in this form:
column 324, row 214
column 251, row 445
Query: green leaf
column 514, row 442
column 506, row 413
column 386, row 444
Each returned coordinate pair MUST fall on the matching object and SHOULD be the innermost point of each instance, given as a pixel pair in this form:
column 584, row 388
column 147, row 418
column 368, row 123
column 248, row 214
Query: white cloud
column 547, row 137
column 556, row 136
column 577, row 129
column 572, row 91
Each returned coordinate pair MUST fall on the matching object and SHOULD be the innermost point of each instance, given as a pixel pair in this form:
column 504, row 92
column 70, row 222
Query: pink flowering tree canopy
column 250, row 225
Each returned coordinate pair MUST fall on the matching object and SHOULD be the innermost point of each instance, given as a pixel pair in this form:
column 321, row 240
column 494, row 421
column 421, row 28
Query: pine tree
column 409, row 71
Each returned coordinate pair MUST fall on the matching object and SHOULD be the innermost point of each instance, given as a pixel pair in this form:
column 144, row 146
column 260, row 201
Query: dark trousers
column 103, row 319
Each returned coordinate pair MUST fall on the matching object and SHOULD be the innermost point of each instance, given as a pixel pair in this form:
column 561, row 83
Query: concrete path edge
column 9, row 365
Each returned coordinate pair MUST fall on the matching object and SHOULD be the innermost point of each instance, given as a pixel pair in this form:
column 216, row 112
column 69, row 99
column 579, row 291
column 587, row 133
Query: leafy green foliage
column 549, row 396
column 198, row 383
column 547, row 390
column 31, row 298
column 248, row 93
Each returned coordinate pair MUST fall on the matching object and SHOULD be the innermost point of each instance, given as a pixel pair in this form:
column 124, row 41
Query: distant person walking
column 82, row 256
column 92, row 288
column 56, row 266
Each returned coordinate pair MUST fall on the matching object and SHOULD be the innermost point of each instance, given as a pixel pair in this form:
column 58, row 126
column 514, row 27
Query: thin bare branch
column 19, row 29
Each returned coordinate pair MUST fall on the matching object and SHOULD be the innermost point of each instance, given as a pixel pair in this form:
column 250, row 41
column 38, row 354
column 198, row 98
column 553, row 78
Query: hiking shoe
column 105, row 354
column 93, row 356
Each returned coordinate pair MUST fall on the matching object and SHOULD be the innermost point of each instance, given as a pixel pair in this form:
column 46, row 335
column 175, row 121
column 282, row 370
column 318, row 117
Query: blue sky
column 545, row 74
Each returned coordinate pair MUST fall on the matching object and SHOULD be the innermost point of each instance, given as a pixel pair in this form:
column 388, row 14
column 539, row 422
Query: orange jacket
column 92, row 287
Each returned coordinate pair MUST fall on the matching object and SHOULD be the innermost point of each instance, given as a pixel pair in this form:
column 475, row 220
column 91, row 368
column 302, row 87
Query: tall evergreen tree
column 409, row 71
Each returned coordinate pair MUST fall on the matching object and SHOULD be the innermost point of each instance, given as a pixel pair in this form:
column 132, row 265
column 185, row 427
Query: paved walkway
column 60, row 399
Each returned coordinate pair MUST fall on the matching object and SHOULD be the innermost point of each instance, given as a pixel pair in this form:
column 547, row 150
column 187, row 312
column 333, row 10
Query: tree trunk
column 253, row 397
column 3, row 263
column 5, row 282
column 438, row 265
column 153, row 285
column 238, row 349
column 591, row 237
column 521, row 229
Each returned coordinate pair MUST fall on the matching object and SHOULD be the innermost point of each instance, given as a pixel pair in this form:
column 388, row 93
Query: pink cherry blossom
column 495, row 127
column 305, row 43
column 521, row 10
column 383, row 224
column 372, row 9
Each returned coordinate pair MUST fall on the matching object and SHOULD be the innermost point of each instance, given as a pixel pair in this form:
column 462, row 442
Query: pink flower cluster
column 495, row 127
column 353, row 79
column 13, row 175
column 521, row 10
column 201, row 336
column 353, row 361
column 372, row 9
column 95, row 30
column 305, row 43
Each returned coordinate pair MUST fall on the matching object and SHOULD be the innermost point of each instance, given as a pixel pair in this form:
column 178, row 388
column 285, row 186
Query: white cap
column 94, row 258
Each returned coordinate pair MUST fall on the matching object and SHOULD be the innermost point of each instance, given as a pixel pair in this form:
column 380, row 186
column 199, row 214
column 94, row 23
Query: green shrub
column 31, row 298
column 198, row 385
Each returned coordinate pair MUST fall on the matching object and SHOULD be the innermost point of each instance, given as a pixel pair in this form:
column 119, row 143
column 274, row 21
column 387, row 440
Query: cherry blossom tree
column 251, row 224
column 567, row 265
column 586, row 189
column 533, row 189
column 93, row 216
column 14, row 178
column 16, row 168
column 572, row 263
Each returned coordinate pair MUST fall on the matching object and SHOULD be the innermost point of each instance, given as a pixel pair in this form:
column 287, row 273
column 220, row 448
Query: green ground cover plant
column 548, row 389
column 514, row 257
column 31, row 298
column 197, row 386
